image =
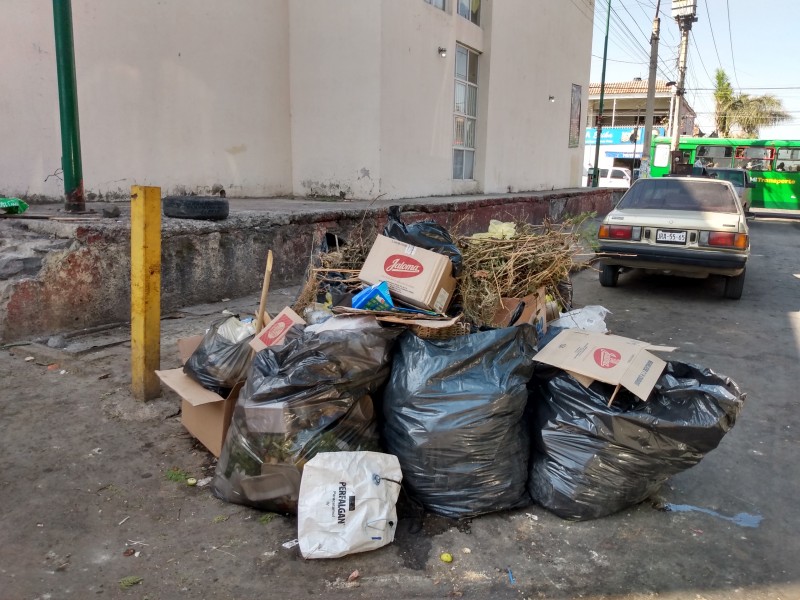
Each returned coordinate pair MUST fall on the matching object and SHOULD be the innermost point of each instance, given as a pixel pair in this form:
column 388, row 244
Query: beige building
column 353, row 98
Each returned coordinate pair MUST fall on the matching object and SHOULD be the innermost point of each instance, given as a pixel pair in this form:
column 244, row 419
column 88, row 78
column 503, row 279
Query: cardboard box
column 533, row 313
column 609, row 358
column 275, row 331
column 204, row 414
column 419, row 277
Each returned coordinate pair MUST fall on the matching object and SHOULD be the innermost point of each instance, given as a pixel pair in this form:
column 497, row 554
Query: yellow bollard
column 145, row 291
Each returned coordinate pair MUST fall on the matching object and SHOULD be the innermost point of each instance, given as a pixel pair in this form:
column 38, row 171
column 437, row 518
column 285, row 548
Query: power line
column 777, row 87
column 730, row 37
column 708, row 14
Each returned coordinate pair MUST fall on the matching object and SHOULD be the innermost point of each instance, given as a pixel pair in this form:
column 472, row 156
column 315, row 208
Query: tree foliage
column 748, row 113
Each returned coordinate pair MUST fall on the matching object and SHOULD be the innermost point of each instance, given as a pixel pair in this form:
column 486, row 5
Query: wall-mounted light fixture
column 442, row 51
column 552, row 98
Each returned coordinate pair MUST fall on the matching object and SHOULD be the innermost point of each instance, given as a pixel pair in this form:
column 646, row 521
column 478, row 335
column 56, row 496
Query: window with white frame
column 470, row 10
column 465, row 113
column 437, row 3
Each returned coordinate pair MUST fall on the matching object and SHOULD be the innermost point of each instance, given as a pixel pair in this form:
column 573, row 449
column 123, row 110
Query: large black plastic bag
column 590, row 460
column 222, row 358
column 311, row 395
column 424, row 234
column 454, row 411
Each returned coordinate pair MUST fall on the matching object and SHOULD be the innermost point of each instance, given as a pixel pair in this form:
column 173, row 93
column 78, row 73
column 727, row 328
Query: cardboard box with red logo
column 620, row 361
column 275, row 331
column 416, row 276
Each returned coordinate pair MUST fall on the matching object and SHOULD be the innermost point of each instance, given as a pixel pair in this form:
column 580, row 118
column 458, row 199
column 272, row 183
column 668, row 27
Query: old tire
column 208, row 208
column 608, row 275
column 734, row 286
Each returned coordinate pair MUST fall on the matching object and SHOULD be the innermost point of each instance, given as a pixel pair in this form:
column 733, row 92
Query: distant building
column 355, row 98
column 624, row 106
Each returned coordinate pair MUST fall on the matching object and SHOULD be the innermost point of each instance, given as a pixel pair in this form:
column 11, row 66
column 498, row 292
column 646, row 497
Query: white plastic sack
column 588, row 318
column 347, row 503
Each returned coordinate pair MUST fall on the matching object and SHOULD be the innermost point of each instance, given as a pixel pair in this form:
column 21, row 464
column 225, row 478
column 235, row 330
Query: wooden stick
column 262, row 306
column 614, row 395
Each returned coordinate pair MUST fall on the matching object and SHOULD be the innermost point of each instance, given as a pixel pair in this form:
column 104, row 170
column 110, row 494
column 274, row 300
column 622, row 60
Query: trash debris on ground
column 310, row 395
column 588, row 318
column 347, row 503
column 454, row 417
column 221, row 359
column 424, row 234
column 492, row 398
column 13, row 206
column 590, row 460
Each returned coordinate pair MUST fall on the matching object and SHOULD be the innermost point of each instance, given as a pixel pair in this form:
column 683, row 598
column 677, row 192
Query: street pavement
column 87, row 501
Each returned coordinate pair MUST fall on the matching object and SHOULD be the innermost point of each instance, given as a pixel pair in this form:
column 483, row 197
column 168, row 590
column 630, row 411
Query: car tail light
column 724, row 239
column 620, row 232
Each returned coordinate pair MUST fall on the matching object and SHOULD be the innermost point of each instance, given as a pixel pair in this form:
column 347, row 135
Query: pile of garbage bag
column 590, row 460
column 454, row 417
column 313, row 394
column 223, row 356
column 466, row 406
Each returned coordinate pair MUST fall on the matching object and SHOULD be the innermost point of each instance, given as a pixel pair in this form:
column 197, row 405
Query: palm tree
column 754, row 112
column 723, row 102
column 750, row 113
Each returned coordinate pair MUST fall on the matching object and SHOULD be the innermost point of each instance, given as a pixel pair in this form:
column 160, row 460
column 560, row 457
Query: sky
column 754, row 41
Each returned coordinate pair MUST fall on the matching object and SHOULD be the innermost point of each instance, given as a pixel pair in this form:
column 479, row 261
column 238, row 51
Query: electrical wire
column 713, row 39
column 730, row 37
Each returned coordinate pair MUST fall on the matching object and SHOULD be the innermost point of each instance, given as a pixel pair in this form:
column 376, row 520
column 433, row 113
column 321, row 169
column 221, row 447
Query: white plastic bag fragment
column 347, row 503
column 588, row 318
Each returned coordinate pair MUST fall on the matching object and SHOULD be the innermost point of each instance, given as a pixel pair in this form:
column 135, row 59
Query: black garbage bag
column 590, row 460
column 424, row 234
column 453, row 414
column 222, row 358
column 311, row 395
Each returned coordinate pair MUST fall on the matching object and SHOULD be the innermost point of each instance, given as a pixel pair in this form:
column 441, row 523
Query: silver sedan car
column 678, row 225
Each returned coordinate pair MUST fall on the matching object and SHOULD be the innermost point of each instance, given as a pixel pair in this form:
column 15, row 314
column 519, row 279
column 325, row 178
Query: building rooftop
column 629, row 87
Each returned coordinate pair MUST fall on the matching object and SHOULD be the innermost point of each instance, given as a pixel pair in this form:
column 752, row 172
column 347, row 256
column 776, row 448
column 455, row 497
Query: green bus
column 774, row 165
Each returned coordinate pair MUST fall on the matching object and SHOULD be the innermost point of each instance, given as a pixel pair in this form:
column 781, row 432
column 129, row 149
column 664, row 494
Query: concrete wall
column 67, row 277
column 183, row 94
column 530, row 60
column 281, row 97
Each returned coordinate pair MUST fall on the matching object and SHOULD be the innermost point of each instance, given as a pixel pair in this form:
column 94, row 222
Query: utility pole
column 684, row 12
column 596, row 173
column 71, row 163
column 644, row 164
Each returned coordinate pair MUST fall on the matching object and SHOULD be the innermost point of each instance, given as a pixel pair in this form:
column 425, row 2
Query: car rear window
column 680, row 194
column 735, row 177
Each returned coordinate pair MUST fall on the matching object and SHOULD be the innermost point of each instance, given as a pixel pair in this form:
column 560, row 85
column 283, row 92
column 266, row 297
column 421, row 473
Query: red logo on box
column 607, row 358
column 401, row 266
column 278, row 328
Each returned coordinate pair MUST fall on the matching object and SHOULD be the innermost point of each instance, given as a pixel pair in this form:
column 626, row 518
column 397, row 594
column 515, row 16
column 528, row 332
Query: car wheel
column 609, row 275
column 734, row 286
column 209, row 208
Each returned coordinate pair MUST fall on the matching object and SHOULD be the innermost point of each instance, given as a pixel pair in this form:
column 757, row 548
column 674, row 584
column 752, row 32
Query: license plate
column 670, row 237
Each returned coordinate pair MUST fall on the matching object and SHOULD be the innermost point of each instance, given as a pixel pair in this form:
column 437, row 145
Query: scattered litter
column 104, row 376
column 290, row 543
column 511, row 577
column 137, row 543
column 220, row 518
column 130, row 581
column 269, row 553
column 29, row 358
column 136, row 554
column 532, row 517
column 62, row 372
column 353, row 576
column 466, row 551
column 588, row 318
column 53, row 366
column 225, row 300
column 129, row 552
column 446, row 557
column 123, row 520
column 191, row 481
column 204, row 481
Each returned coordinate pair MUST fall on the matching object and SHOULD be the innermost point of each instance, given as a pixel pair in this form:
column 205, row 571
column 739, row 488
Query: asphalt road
column 86, row 501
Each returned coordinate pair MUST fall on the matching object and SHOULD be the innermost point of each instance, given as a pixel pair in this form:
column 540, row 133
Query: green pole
column 68, row 108
column 596, row 174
